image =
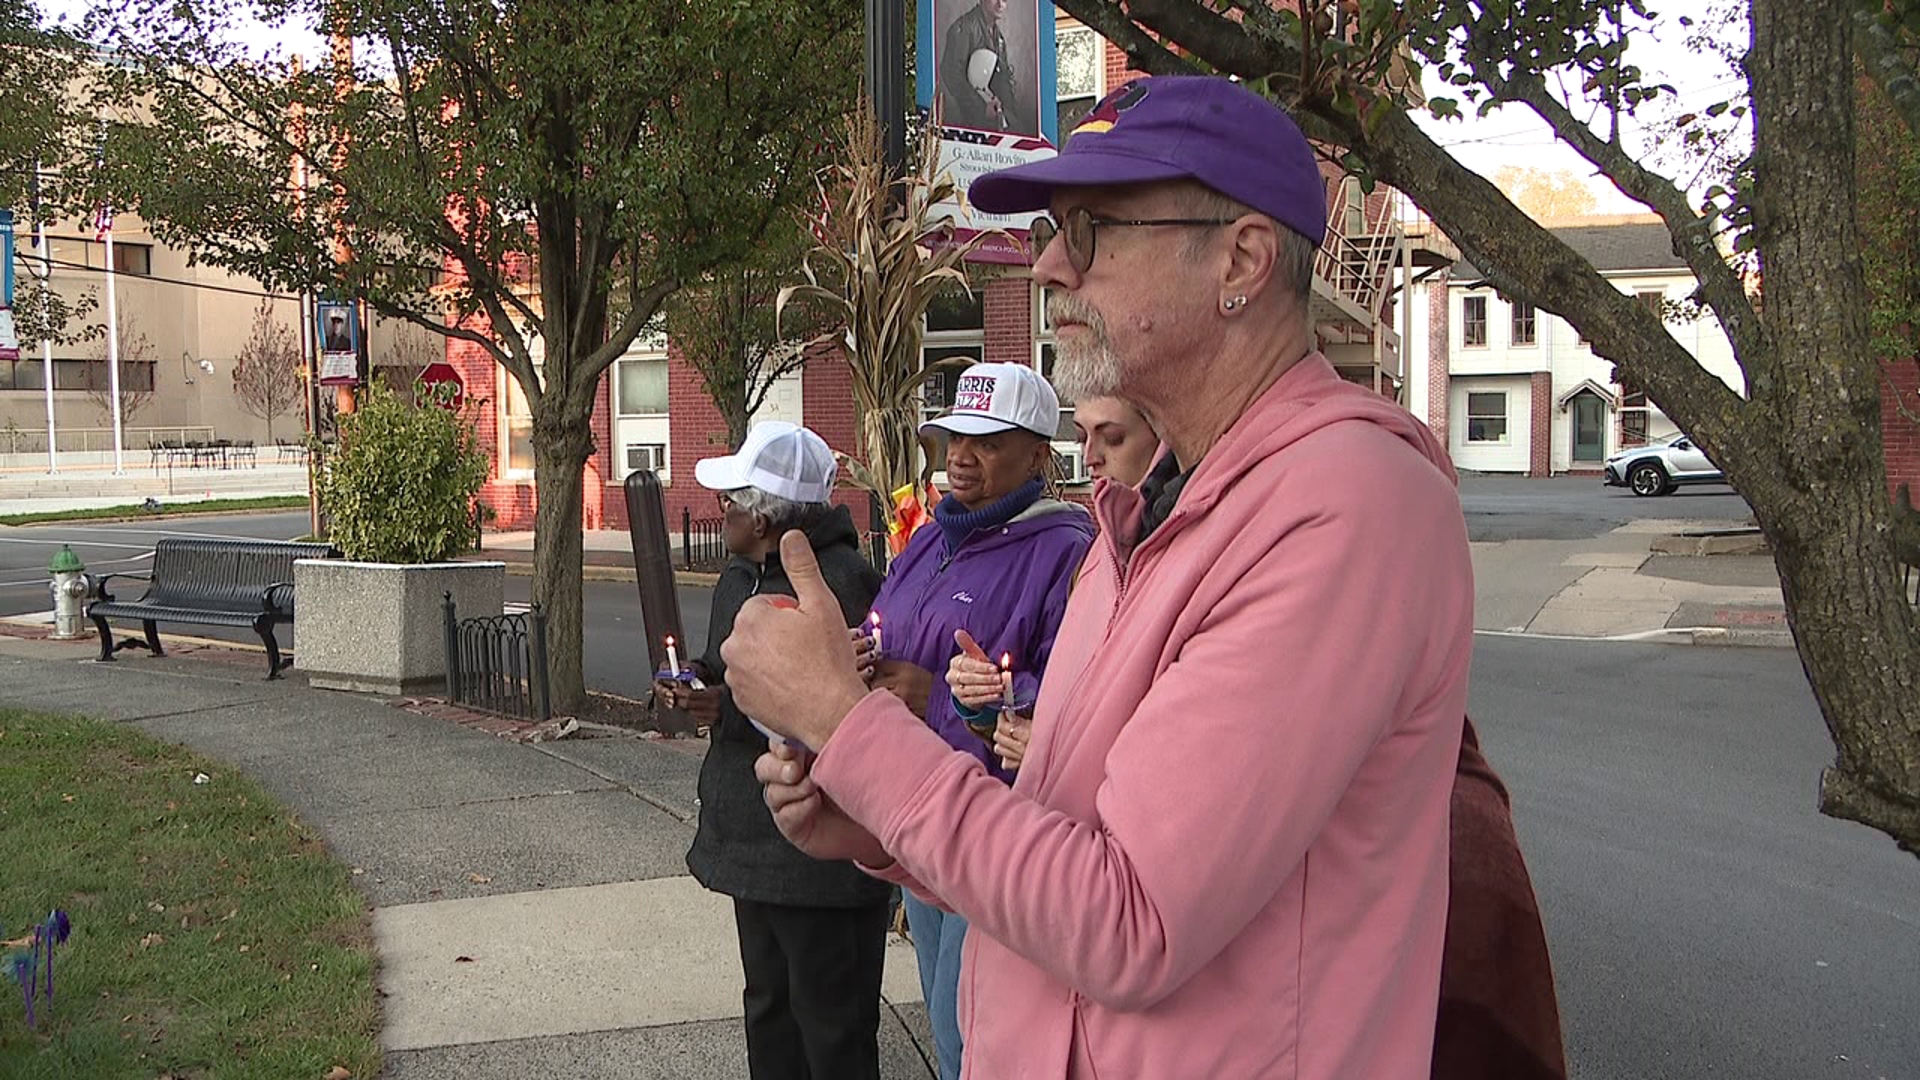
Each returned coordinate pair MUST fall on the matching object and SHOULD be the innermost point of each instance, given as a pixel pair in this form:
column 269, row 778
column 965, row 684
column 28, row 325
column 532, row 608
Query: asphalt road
column 1574, row 508
column 1705, row 920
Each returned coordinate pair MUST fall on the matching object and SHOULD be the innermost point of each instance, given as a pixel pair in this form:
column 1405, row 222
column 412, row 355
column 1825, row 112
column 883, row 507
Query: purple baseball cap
column 1173, row 127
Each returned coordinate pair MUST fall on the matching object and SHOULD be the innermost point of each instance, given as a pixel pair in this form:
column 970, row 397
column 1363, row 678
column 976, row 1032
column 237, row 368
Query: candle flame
column 874, row 617
column 669, row 640
column 1006, row 661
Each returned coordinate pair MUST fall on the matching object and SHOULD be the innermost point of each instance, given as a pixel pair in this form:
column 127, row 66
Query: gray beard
column 1085, row 371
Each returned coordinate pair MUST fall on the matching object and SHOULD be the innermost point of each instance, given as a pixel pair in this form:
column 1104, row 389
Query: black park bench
column 210, row 582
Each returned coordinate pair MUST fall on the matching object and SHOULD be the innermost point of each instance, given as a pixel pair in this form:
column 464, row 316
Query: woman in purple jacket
column 998, row 566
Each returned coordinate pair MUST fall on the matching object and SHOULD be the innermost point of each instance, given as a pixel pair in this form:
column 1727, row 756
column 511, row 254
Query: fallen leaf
column 434, row 892
column 357, row 871
column 230, row 915
column 171, row 805
column 66, row 798
column 463, row 960
column 338, row 1072
column 218, row 934
column 156, row 907
column 479, row 879
column 151, row 940
column 246, row 948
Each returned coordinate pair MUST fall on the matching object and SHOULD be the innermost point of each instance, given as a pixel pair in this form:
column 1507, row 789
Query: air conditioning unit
column 1073, row 461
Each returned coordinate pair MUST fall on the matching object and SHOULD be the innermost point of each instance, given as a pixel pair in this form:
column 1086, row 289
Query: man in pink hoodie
column 1226, row 852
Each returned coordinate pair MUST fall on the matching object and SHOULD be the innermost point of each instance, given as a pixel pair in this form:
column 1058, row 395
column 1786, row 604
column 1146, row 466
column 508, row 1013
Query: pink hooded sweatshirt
column 1226, row 854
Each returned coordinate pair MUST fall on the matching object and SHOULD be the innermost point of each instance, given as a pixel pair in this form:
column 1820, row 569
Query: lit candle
column 1006, row 679
column 673, row 657
column 874, row 618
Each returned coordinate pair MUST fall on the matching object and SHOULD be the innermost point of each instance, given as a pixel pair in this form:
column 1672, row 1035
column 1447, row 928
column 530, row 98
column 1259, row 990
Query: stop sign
column 438, row 372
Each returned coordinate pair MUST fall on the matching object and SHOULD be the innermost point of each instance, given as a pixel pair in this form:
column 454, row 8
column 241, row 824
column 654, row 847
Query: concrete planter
column 377, row 627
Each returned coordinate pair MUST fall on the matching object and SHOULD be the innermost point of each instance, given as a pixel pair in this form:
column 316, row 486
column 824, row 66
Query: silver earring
column 1234, row 303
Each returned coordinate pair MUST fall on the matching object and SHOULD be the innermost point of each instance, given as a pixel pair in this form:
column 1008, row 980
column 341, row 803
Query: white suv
column 1661, row 467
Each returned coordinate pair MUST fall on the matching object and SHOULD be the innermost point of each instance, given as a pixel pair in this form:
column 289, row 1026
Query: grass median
column 167, row 510
column 213, row 936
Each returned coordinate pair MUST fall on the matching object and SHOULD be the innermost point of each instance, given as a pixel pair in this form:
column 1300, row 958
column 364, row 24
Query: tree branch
column 1692, row 233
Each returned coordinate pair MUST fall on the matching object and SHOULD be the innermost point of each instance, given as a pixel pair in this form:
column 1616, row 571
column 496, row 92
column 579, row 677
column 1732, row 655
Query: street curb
column 1669, row 635
column 160, row 515
column 1728, row 635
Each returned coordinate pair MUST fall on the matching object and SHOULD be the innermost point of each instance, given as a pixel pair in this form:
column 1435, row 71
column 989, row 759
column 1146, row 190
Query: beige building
column 182, row 327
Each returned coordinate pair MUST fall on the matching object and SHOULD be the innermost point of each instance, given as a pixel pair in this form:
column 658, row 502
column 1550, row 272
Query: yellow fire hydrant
column 70, row 591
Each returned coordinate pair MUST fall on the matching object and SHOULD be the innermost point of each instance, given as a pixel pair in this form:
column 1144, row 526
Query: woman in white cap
column 812, row 933
column 993, row 578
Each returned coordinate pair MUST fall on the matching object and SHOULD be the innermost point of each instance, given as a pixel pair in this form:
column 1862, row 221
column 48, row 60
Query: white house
column 1512, row 389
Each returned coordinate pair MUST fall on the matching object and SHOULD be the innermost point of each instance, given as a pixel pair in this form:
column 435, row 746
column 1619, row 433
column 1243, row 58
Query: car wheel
column 1646, row 479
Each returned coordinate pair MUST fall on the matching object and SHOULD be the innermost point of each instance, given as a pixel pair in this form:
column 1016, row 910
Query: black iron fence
column 703, row 546
column 498, row 663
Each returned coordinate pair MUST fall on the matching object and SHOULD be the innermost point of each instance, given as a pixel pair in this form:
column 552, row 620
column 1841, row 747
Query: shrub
column 399, row 486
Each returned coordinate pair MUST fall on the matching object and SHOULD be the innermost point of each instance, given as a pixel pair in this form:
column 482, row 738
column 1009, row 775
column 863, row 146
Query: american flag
column 103, row 221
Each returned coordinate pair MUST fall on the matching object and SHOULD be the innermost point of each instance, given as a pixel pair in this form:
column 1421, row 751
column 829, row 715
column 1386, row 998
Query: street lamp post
column 887, row 77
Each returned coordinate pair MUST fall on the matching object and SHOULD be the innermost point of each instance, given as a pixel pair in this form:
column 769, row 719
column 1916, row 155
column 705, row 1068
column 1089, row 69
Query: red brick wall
column 1439, row 353
column 1118, row 74
column 1899, row 434
column 1009, row 319
column 1540, row 446
column 695, row 430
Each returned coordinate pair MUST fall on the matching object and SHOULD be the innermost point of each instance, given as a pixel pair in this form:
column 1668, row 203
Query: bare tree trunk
column 1823, row 499
column 561, row 446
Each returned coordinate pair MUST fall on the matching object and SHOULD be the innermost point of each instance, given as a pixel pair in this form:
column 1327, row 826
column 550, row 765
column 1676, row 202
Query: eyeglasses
column 725, row 499
column 1080, row 225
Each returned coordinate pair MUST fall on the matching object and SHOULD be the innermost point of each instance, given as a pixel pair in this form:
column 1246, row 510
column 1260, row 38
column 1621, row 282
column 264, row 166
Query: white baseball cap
column 780, row 459
column 992, row 398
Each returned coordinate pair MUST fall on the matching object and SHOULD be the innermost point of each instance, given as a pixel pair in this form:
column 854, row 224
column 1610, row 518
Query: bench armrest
column 100, row 581
column 278, row 598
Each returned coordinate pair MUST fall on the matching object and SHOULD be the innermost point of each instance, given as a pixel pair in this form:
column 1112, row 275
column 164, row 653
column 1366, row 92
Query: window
column 652, row 456
column 953, row 310
column 131, row 258
column 1354, row 207
column 1080, row 74
column 1473, row 320
column 643, row 387
column 1525, row 324
column 1633, row 412
column 71, row 254
column 1487, row 417
column 517, row 422
column 1654, row 302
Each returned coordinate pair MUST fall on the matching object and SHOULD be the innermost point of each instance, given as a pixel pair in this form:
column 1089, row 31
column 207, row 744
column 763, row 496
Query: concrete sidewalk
column 1616, row 587
column 530, row 903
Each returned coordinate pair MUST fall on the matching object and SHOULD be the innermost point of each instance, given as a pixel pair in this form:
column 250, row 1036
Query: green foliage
column 1888, row 159
column 725, row 326
column 213, row 936
column 399, row 487
column 40, row 122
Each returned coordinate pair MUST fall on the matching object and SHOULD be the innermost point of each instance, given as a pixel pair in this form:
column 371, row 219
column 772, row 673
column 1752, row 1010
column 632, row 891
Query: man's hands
column 792, row 667
column 806, row 816
column 703, row 706
column 910, row 683
column 974, row 679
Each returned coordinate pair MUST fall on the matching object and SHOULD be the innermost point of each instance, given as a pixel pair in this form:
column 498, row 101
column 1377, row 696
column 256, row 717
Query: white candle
column 874, row 618
column 673, row 657
column 1006, row 679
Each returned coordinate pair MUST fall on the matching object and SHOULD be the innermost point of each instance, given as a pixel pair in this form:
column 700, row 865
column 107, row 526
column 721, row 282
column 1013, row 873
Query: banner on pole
column 9, row 341
column 337, row 322
column 986, row 73
column 6, row 258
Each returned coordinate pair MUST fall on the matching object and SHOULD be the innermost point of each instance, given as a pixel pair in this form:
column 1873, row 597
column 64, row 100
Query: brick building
column 653, row 411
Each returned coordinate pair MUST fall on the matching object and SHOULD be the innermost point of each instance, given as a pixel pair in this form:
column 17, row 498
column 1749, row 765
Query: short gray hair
column 1293, row 268
column 780, row 514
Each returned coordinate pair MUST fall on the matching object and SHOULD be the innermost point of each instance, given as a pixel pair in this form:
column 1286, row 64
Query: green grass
column 213, row 936
column 134, row 510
